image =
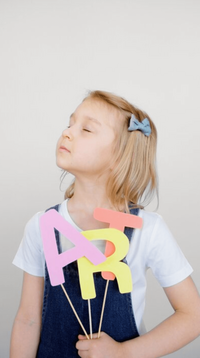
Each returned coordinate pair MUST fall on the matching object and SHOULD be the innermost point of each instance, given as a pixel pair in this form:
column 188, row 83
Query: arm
column 172, row 334
column 27, row 325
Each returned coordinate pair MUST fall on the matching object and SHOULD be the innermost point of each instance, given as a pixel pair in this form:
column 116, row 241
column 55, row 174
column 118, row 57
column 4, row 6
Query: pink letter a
column 55, row 261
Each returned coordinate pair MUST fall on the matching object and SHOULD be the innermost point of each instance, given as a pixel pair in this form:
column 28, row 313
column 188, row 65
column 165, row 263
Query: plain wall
column 52, row 52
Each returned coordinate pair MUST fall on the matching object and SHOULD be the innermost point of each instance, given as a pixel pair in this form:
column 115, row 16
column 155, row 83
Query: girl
column 110, row 149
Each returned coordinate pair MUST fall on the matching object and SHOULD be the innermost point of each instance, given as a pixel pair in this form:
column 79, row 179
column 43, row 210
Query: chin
column 60, row 164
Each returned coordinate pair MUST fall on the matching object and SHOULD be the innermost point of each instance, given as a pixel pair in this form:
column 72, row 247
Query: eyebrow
column 90, row 118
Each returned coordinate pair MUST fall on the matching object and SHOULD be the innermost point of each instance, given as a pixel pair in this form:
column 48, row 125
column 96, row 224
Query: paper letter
column 55, row 261
column 117, row 220
column 112, row 263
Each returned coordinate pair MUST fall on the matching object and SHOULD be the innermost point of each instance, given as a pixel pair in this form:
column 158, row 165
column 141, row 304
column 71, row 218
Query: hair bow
column 135, row 125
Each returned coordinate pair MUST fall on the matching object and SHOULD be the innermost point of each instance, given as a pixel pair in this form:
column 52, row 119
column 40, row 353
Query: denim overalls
column 60, row 327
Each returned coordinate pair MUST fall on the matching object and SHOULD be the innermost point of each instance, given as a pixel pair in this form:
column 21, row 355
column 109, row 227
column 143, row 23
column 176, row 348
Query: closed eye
column 87, row 130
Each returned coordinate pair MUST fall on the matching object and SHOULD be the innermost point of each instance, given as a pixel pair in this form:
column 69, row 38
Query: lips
column 63, row 149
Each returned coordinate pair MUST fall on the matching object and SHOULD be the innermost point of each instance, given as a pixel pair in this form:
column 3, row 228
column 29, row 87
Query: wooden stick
column 70, row 302
column 90, row 318
column 103, row 306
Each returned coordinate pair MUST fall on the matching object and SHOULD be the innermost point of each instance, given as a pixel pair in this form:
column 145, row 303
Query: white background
column 52, row 52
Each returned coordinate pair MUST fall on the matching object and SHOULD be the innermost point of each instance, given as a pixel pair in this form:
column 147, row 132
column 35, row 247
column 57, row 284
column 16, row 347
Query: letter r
column 112, row 263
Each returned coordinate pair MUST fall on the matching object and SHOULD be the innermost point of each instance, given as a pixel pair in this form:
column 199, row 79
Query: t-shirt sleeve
column 165, row 257
column 30, row 256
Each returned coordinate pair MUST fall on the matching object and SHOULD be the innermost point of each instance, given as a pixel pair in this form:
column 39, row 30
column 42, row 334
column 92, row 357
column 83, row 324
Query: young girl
column 110, row 149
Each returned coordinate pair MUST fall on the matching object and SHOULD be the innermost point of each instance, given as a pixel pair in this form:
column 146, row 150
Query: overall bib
column 60, row 328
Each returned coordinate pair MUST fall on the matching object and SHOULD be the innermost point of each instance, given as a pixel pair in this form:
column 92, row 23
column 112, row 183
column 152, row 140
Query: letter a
column 55, row 261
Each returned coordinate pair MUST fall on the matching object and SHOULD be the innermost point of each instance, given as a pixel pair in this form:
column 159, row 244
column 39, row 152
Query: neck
column 88, row 196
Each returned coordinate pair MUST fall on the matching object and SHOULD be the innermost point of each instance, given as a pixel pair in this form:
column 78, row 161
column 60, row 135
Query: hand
column 103, row 347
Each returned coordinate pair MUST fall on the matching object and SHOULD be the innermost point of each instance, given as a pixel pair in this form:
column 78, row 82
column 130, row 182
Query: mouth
column 63, row 149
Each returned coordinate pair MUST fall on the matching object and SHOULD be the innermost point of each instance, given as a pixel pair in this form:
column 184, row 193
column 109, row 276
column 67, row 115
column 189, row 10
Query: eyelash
column 84, row 129
column 87, row 130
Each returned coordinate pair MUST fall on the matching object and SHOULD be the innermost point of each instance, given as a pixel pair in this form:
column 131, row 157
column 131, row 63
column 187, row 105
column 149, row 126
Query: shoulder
column 30, row 255
column 32, row 228
column 33, row 223
column 144, row 239
column 153, row 226
column 150, row 219
column 163, row 254
column 155, row 234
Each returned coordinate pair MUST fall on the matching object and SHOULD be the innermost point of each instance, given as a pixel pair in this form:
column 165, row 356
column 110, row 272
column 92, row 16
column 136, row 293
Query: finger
column 96, row 335
column 82, row 345
column 83, row 354
column 81, row 337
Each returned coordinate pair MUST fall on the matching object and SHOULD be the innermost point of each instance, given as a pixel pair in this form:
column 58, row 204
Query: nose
column 67, row 133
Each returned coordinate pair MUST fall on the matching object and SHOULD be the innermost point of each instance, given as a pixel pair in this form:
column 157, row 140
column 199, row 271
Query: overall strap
column 128, row 230
column 56, row 207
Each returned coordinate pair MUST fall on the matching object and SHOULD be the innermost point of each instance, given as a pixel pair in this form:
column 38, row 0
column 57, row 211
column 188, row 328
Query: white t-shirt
column 152, row 246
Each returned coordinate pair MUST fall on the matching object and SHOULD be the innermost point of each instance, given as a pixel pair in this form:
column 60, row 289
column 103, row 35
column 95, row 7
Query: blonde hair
column 133, row 179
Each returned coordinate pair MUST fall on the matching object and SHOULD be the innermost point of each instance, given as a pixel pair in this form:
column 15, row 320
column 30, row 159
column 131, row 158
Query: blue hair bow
column 143, row 126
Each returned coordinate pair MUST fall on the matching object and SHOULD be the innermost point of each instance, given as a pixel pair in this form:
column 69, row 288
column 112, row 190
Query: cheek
column 109, row 149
